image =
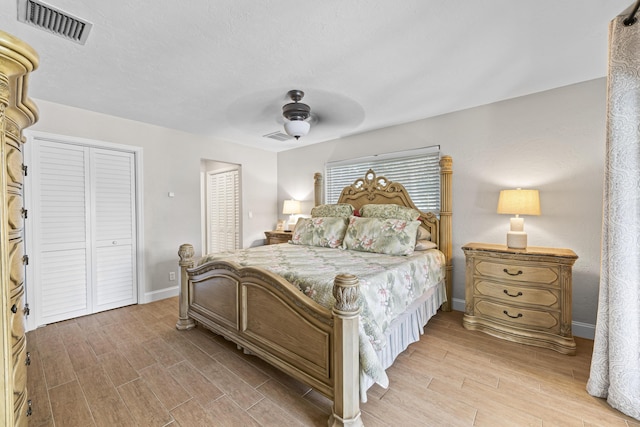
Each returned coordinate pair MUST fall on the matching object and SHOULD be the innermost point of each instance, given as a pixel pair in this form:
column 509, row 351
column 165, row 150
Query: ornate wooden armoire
column 17, row 60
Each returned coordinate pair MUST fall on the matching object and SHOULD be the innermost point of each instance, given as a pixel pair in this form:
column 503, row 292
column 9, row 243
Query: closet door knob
column 14, row 309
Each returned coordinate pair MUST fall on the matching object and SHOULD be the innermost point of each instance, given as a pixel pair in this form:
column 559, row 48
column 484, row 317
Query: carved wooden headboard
column 372, row 189
column 378, row 190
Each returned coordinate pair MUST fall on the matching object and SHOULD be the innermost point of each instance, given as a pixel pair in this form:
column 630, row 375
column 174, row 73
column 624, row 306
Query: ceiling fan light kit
column 297, row 128
column 296, row 114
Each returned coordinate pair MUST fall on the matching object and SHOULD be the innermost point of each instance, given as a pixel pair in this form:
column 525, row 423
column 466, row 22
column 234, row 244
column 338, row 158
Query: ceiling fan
column 296, row 114
column 257, row 112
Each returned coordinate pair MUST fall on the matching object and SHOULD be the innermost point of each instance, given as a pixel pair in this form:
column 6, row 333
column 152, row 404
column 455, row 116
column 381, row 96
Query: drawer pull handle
column 513, row 274
column 513, row 317
column 14, row 309
column 512, row 295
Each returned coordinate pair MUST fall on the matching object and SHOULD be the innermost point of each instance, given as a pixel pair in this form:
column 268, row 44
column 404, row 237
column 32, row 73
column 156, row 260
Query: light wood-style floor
column 131, row 367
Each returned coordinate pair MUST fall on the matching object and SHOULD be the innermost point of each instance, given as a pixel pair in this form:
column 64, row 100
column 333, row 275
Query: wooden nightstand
column 522, row 295
column 274, row 237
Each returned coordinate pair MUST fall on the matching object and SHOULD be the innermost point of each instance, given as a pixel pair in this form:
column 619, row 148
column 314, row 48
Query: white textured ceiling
column 222, row 68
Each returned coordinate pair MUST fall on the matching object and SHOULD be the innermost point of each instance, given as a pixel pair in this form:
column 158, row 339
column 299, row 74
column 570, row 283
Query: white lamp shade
column 291, row 207
column 519, row 202
column 297, row 128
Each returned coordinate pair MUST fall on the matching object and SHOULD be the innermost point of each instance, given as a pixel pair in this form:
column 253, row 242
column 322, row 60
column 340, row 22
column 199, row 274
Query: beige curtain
column 615, row 365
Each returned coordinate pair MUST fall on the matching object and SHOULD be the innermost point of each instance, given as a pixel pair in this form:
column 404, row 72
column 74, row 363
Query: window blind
column 417, row 170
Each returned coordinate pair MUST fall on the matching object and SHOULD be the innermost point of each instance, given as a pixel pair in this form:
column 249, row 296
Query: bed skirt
column 406, row 330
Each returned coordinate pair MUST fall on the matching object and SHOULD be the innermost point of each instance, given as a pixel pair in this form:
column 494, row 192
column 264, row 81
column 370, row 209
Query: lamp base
column 517, row 239
column 291, row 224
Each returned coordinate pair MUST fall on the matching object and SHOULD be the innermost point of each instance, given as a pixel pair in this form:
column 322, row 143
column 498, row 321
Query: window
column 418, row 170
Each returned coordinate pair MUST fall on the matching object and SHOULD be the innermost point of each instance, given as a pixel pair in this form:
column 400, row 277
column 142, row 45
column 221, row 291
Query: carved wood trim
column 445, row 239
column 185, row 253
column 17, row 111
column 317, row 189
column 346, row 312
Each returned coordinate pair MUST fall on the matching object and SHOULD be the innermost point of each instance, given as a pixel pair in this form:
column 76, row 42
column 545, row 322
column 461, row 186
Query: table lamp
column 291, row 208
column 518, row 202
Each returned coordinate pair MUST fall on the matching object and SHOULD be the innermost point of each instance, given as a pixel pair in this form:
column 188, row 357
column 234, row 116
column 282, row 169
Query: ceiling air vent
column 54, row 20
column 278, row 136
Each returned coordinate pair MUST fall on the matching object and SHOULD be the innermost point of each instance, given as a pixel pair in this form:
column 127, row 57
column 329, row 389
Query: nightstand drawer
column 520, row 272
column 548, row 321
column 514, row 294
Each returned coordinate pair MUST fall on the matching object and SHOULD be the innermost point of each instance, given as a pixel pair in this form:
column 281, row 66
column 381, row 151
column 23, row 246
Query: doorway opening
column 221, row 206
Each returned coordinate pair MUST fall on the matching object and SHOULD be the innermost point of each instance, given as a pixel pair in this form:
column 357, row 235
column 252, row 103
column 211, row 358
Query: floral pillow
column 389, row 211
column 326, row 232
column 342, row 210
column 385, row 236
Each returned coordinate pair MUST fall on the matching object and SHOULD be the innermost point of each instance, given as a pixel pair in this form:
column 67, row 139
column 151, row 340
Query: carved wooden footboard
column 249, row 306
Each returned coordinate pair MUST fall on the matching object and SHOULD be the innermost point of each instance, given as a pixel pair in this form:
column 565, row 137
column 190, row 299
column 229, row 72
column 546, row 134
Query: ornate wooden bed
column 249, row 305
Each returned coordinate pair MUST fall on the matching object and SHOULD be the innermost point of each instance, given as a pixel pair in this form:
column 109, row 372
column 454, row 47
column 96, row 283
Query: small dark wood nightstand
column 522, row 295
column 274, row 237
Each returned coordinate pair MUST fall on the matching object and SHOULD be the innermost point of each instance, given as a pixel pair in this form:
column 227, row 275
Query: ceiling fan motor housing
column 296, row 110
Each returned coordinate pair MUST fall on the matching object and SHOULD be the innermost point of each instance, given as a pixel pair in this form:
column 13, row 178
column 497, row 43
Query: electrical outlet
column 172, row 275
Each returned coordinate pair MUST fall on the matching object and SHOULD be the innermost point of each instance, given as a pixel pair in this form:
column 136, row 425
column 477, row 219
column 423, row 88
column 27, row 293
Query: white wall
column 172, row 164
column 553, row 141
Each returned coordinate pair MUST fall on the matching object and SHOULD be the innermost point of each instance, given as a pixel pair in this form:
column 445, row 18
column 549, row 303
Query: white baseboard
column 579, row 329
column 160, row 294
column 583, row 330
column 458, row 304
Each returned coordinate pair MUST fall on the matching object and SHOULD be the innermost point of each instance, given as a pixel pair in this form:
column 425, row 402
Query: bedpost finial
column 446, row 163
column 186, row 253
column 346, row 292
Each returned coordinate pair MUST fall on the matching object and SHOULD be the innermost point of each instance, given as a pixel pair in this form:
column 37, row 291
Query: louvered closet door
column 61, row 226
column 113, row 204
column 84, row 232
